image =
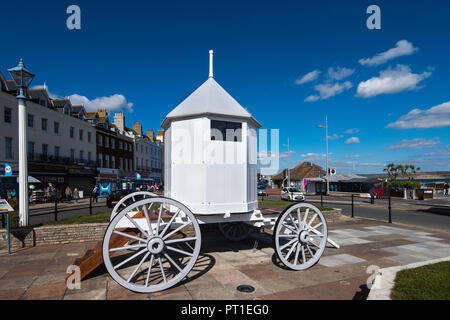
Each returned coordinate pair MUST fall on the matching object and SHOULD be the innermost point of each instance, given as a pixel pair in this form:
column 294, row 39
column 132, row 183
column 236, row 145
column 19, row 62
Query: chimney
column 138, row 128
column 119, row 121
column 160, row 136
column 151, row 134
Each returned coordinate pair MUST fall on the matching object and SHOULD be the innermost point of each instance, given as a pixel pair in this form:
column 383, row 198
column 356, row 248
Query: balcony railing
column 46, row 158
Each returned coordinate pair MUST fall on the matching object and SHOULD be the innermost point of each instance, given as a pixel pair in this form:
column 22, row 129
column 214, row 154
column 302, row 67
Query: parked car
column 292, row 194
column 262, row 191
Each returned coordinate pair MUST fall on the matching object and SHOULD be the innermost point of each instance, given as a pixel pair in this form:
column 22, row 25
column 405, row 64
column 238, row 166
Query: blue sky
column 145, row 57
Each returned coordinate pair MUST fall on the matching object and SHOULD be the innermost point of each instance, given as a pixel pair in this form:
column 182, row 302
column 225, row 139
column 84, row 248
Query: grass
column 95, row 218
column 284, row 204
column 431, row 282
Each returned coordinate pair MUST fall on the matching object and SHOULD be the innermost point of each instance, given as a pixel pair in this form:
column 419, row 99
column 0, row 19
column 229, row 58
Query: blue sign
column 8, row 170
column 138, row 176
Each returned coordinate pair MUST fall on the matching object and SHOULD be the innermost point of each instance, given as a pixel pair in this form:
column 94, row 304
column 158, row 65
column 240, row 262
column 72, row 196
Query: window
column 44, row 149
column 89, row 155
column 137, row 163
column 113, row 162
column 81, row 155
column 226, row 131
column 30, row 147
column 56, row 127
column 100, row 160
column 44, row 124
column 81, row 134
column 120, row 144
column 8, row 114
column 120, row 163
column 99, row 140
column 42, row 102
column 30, row 121
column 106, row 142
column 106, row 161
column 89, row 136
column 8, row 148
column 56, row 152
column 72, row 129
column 113, row 143
column 72, row 154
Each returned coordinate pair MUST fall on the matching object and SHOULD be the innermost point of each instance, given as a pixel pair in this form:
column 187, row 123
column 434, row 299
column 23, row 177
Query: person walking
column 76, row 195
column 95, row 193
column 446, row 186
column 68, row 193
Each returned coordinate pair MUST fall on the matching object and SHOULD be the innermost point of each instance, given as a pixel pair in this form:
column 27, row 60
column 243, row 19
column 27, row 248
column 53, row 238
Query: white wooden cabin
column 211, row 152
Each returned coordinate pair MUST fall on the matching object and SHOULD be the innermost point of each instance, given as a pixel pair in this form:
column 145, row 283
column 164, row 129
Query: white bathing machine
column 152, row 242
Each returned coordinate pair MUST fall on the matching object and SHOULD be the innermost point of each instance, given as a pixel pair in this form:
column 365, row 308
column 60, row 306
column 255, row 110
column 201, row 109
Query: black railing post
column 353, row 213
column 390, row 215
column 90, row 205
column 321, row 200
column 56, row 209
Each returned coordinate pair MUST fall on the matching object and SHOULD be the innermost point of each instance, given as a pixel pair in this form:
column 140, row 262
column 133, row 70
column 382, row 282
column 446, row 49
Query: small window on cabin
column 226, row 131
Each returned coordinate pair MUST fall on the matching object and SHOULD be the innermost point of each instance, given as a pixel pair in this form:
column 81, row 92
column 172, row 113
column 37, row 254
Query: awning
column 30, row 180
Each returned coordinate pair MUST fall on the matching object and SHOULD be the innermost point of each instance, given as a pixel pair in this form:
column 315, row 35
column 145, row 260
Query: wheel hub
column 155, row 245
column 303, row 236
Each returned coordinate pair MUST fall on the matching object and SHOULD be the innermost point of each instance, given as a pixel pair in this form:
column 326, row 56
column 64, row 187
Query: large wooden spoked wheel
column 166, row 244
column 300, row 236
column 236, row 231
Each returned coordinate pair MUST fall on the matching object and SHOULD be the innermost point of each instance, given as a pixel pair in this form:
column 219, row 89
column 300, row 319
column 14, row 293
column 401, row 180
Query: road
column 433, row 214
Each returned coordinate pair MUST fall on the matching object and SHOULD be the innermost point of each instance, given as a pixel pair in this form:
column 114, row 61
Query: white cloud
column 311, row 76
column 339, row 73
column 402, row 48
column 328, row 90
column 287, row 154
column 353, row 156
column 391, row 81
column 414, row 144
column 435, row 117
column 352, row 140
column 335, row 137
column 113, row 103
column 352, row 131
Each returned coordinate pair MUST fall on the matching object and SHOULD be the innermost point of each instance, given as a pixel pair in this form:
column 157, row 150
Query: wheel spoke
column 298, row 219
column 128, row 247
column 287, row 236
column 159, row 218
column 176, row 230
column 170, row 222
column 289, row 227
column 181, row 240
column 317, row 225
column 129, row 236
column 306, row 216
column 162, row 270
column 179, row 251
column 172, row 262
column 290, row 251
column 296, row 253
column 312, row 219
column 138, row 226
column 138, row 266
column 287, row 244
column 150, row 266
column 310, row 251
column 148, row 219
column 303, row 255
column 130, row 258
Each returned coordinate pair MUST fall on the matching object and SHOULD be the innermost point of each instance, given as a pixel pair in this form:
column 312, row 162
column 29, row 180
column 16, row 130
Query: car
column 292, row 194
column 113, row 198
column 262, row 191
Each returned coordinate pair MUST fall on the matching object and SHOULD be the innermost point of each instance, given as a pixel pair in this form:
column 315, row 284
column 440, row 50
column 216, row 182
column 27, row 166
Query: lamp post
column 326, row 139
column 22, row 79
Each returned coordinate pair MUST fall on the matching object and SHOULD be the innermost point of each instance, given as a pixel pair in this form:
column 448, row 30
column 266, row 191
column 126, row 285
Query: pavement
column 39, row 272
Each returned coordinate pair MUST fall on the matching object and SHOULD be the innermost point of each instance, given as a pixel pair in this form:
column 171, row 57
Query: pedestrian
column 76, row 195
column 68, row 193
column 95, row 193
column 446, row 186
column 53, row 192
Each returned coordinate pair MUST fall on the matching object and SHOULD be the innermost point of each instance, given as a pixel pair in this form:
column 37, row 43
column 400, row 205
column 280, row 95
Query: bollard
column 56, row 209
column 353, row 215
column 8, row 234
column 90, row 205
column 390, row 216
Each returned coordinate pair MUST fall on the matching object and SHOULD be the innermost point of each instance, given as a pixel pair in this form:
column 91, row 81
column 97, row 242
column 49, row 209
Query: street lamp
column 326, row 139
column 22, row 78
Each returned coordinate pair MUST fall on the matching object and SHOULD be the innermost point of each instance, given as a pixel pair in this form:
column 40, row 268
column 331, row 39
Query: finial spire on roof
column 211, row 64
